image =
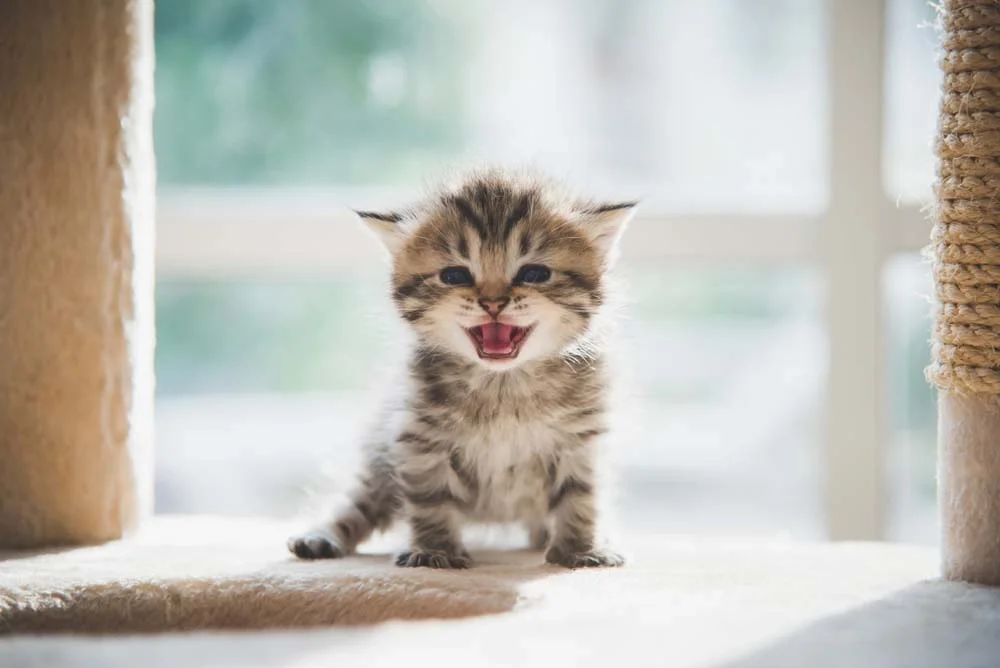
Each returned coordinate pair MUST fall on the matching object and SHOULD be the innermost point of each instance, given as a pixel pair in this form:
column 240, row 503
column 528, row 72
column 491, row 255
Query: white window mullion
column 855, row 241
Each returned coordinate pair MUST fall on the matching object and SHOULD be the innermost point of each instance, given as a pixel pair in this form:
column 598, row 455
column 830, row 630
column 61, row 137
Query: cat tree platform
column 679, row 602
column 76, row 390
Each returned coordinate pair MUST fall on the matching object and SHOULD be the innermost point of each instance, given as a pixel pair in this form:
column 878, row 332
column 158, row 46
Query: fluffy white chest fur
column 511, row 460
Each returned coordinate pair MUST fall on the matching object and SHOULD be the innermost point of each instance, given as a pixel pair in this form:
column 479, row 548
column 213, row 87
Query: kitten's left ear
column 605, row 223
column 388, row 226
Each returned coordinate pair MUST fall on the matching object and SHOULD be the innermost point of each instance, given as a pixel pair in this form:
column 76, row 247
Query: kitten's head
column 499, row 269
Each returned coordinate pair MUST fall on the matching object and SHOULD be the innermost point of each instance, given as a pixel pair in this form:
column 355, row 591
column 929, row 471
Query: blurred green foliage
column 268, row 337
column 253, row 92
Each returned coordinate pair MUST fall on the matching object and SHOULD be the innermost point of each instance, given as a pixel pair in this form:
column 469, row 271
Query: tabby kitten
column 502, row 279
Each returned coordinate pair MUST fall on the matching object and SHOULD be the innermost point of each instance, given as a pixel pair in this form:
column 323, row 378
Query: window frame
column 290, row 233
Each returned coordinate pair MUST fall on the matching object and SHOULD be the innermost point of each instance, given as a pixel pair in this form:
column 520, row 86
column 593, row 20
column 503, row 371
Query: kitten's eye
column 533, row 273
column 456, row 276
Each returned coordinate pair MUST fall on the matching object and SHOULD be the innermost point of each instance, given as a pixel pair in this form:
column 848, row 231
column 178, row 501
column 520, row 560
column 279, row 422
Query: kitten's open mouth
column 496, row 340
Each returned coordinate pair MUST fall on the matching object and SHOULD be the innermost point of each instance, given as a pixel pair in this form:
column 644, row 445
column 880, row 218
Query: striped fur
column 487, row 440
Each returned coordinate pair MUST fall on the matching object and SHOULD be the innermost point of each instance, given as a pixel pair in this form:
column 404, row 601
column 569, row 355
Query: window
column 913, row 457
column 913, row 81
column 372, row 94
column 273, row 326
column 912, row 86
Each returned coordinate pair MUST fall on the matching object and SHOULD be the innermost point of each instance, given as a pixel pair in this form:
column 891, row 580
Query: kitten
column 503, row 281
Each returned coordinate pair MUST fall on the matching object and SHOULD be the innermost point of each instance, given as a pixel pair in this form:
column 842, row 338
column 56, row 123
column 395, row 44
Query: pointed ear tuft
column 604, row 223
column 387, row 226
column 386, row 217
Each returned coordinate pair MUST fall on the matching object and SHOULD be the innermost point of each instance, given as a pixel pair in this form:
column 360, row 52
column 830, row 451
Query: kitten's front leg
column 574, row 512
column 435, row 542
column 538, row 535
column 434, row 517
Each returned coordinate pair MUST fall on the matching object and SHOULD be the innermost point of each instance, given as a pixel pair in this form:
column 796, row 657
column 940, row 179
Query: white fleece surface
column 679, row 602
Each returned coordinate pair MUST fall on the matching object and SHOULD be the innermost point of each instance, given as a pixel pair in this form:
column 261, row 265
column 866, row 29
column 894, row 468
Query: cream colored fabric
column 679, row 602
column 200, row 573
column 969, row 486
column 76, row 269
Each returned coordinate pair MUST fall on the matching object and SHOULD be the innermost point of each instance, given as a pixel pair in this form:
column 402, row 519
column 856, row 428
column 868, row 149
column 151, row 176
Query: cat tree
column 76, row 188
column 76, row 253
column 966, row 237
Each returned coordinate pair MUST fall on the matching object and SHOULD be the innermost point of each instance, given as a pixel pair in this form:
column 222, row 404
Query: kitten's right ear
column 388, row 226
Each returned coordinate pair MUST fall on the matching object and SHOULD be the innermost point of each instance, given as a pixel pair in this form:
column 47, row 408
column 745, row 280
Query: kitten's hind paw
column 434, row 559
column 315, row 545
column 598, row 558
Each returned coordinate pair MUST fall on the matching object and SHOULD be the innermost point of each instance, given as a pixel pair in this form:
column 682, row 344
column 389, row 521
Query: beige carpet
column 680, row 602
column 210, row 574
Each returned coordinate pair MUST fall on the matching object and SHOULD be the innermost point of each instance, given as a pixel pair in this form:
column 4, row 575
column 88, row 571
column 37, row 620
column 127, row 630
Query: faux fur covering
column 76, row 270
column 969, row 487
column 678, row 602
column 204, row 574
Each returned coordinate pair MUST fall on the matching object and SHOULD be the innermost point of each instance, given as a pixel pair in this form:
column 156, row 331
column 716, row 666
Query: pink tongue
column 497, row 338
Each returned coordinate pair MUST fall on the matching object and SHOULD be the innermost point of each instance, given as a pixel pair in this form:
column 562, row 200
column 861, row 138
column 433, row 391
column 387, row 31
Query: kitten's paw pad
column 434, row 559
column 315, row 545
column 602, row 558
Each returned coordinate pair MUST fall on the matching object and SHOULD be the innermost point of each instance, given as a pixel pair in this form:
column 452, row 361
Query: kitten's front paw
column 597, row 558
column 315, row 545
column 434, row 559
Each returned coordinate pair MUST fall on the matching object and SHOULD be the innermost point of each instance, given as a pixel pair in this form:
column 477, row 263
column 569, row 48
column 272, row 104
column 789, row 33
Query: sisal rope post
column 76, row 269
column 966, row 339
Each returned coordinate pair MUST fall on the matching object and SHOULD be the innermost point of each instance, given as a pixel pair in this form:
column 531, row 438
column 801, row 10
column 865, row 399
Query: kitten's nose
column 494, row 306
